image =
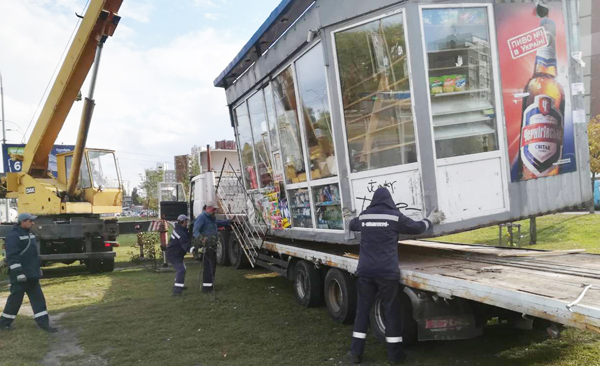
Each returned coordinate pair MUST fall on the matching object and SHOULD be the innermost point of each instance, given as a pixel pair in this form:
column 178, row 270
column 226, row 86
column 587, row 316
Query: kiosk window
column 314, row 101
column 460, row 80
column 260, row 130
column 245, row 144
column 376, row 96
column 300, row 210
column 272, row 119
column 289, row 129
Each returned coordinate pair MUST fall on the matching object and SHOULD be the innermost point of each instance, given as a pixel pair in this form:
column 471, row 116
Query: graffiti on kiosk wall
column 372, row 185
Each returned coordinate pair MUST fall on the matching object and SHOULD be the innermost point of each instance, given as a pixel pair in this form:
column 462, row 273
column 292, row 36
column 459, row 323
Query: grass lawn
column 128, row 317
column 557, row 232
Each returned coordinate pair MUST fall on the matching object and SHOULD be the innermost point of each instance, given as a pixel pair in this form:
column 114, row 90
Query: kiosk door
column 464, row 95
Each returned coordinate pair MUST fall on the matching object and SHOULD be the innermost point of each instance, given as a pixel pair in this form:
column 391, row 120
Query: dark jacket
column 380, row 225
column 206, row 225
column 22, row 254
column 179, row 244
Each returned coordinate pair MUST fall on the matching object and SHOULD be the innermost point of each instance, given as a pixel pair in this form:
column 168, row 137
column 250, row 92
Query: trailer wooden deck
column 563, row 287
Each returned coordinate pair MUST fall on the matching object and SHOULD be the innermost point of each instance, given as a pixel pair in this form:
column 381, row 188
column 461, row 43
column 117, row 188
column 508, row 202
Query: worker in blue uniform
column 22, row 257
column 378, row 269
column 206, row 228
column 179, row 246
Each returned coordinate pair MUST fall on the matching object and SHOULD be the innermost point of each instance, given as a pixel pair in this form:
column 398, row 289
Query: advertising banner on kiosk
column 534, row 64
column 14, row 165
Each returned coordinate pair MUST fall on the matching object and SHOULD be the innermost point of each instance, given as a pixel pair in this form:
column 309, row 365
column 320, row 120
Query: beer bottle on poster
column 542, row 126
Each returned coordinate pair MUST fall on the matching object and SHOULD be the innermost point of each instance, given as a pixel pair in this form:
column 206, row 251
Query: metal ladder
column 250, row 227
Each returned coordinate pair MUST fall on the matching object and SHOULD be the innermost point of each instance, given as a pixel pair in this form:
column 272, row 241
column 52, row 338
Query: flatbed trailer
column 434, row 100
column 450, row 290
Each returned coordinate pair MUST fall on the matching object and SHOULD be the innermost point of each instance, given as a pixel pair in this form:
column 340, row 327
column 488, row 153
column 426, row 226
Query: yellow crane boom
column 100, row 189
column 99, row 22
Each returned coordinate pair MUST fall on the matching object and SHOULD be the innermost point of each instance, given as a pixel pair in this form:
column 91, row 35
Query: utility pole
column 2, row 102
column 6, row 208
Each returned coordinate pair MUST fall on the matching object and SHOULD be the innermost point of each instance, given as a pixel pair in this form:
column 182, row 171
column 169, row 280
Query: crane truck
column 69, row 206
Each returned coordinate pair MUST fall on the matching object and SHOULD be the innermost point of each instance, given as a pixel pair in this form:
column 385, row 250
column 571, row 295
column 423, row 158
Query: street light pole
column 2, row 102
column 6, row 208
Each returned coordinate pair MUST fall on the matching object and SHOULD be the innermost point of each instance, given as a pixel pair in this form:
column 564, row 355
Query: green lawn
column 557, row 232
column 128, row 317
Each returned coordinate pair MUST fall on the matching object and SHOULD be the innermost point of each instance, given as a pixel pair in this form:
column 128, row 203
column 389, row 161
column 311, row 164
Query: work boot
column 353, row 358
column 177, row 294
column 400, row 360
column 49, row 329
column 7, row 328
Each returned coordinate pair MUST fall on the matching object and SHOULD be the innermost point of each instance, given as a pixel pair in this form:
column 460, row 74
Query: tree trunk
column 532, row 231
column 592, row 201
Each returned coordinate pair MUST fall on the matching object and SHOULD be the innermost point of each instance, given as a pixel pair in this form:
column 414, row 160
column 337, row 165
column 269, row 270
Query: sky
column 154, row 95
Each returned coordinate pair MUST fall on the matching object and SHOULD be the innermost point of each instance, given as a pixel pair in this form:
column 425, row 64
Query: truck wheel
column 409, row 325
column 94, row 265
column 237, row 257
column 340, row 296
column 308, row 285
column 223, row 248
column 108, row 265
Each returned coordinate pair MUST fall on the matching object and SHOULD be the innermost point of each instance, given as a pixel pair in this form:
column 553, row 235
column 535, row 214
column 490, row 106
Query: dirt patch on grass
column 66, row 351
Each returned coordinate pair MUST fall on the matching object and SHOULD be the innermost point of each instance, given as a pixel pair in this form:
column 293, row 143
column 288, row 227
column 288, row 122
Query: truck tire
column 237, row 257
column 308, row 285
column 410, row 328
column 94, row 265
column 108, row 265
column 223, row 248
column 340, row 296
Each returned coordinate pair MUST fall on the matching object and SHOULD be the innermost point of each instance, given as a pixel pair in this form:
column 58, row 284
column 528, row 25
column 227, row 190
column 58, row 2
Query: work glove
column 22, row 278
column 192, row 250
column 436, row 217
column 348, row 214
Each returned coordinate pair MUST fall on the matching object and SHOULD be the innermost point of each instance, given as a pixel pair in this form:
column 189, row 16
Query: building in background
column 169, row 176
column 182, row 168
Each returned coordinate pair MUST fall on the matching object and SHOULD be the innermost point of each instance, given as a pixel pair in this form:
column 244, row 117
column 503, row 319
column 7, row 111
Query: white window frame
column 309, row 183
column 401, row 168
column 502, row 151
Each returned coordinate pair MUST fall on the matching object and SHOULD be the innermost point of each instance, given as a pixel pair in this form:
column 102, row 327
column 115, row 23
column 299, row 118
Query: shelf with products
column 328, row 209
column 322, row 204
column 300, row 208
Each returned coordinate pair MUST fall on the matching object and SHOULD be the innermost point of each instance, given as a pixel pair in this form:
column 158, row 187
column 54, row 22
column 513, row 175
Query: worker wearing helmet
column 378, row 269
column 22, row 256
column 206, row 228
column 179, row 246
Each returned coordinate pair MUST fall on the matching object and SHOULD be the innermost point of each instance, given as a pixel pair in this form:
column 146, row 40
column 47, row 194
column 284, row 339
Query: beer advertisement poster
column 534, row 64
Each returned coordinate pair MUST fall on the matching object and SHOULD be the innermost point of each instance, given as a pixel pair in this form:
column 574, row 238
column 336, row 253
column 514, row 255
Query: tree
column 594, row 142
column 135, row 197
column 149, row 186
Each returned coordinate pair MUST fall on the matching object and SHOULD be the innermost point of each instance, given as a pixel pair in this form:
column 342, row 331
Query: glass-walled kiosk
column 464, row 107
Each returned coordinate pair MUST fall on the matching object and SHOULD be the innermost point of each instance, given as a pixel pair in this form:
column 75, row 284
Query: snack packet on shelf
column 449, row 83
column 460, row 83
column 436, row 83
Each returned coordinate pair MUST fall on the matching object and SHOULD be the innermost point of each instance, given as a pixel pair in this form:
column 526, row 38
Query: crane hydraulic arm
column 99, row 191
column 98, row 23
